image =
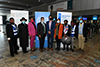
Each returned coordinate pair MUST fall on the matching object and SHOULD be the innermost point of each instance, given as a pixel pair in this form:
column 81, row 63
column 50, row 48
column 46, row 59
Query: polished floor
column 52, row 58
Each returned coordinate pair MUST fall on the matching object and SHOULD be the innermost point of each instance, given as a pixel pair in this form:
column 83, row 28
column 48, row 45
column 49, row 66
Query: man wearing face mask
column 12, row 35
column 50, row 26
column 81, row 34
column 23, row 34
column 41, row 30
column 32, row 33
column 58, row 33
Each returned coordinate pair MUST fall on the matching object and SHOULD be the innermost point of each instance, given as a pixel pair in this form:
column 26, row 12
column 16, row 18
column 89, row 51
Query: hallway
column 52, row 59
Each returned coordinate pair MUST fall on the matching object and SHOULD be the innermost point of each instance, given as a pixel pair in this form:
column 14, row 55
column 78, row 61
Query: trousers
column 32, row 41
column 81, row 41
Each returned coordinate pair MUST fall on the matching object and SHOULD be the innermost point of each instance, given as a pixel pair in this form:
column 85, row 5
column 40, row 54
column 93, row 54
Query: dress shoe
column 79, row 49
column 16, row 53
column 63, row 48
column 52, row 49
column 56, row 49
column 44, row 49
column 12, row 55
column 82, row 50
column 48, row 49
column 25, row 52
column 72, row 50
column 41, row 50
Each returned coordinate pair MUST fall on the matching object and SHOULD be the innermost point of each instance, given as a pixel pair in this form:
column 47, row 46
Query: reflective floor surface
column 52, row 58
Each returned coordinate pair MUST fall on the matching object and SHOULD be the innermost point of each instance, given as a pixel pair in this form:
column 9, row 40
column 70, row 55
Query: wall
column 85, row 4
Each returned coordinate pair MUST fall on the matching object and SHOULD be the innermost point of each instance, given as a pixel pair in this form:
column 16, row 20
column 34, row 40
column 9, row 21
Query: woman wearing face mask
column 66, row 32
column 58, row 33
column 32, row 33
column 23, row 34
column 41, row 30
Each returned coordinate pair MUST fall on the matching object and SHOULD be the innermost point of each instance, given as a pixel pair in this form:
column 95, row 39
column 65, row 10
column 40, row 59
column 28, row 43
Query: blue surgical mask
column 58, row 21
column 23, row 22
column 81, row 21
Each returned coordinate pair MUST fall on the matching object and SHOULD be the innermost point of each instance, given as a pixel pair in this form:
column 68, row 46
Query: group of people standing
column 50, row 29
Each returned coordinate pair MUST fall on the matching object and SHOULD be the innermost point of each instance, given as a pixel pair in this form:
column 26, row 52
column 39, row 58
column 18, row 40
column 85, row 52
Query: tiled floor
column 52, row 58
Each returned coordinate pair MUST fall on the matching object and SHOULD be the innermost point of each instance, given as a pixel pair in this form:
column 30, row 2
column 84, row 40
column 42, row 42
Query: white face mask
column 42, row 21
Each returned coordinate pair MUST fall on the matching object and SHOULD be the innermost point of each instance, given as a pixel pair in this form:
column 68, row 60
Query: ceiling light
column 8, row 1
column 27, row 5
column 38, row 0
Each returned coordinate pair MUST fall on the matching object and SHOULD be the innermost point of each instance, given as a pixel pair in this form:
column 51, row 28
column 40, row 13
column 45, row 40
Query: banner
column 17, row 15
column 65, row 16
column 38, row 16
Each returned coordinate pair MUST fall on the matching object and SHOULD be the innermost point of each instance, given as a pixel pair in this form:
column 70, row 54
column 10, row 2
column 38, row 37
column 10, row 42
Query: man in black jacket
column 23, row 34
column 12, row 35
column 41, row 30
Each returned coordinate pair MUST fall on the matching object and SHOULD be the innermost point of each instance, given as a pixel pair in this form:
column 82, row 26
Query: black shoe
column 67, row 49
column 63, row 48
column 72, row 50
column 26, row 51
column 85, row 41
column 12, row 55
column 16, row 53
column 56, row 48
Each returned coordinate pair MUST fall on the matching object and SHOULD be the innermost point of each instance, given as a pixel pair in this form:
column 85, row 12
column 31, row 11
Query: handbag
column 66, row 40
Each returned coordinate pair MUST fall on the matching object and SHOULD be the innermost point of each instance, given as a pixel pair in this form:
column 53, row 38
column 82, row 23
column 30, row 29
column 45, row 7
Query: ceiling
column 7, row 5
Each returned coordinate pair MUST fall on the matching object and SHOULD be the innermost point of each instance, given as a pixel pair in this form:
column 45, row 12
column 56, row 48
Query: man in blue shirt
column 81, row 34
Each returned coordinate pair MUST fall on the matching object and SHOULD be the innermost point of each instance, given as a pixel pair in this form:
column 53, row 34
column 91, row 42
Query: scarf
column 65, row 29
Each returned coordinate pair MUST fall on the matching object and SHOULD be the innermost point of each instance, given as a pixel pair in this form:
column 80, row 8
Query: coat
column 52, row 28
column 40, row 29
column 60, row 31
column 23, row 34
column 9, row 30
column 31, row 29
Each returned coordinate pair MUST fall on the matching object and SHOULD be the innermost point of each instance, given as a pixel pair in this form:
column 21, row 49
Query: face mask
column 23, row 22
column 50, row 19
column 42, row 21
column 65, row 23
column 58, row 21
column 32, row 20
column 11, row 21
column 81, row 21
column 72, row 24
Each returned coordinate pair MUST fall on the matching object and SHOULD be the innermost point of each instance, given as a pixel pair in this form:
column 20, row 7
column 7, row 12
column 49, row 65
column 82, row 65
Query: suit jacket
column 31, row 29
column 40, row 29
column 60, row 31
column 84, row 30
column 9, row 30
column 52, row 27
column 23, row 34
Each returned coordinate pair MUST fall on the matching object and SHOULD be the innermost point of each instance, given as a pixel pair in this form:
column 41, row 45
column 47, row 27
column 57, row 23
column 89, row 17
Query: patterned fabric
column 65, row 29
column 73, row 31
column 15, row 29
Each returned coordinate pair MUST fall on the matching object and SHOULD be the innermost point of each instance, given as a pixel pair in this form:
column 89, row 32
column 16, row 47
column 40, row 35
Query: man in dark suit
column 12, row 34
column 41, row 30
column 50, row 26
